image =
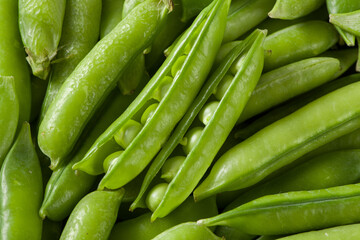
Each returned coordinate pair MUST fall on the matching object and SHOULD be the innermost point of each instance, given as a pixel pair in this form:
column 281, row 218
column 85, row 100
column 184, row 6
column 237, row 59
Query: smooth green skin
column 192, row 138
column 172, row 107
column 298, row 42
column 186, row 231
column 217, row 130
column 347, row 232
column 93, row 79
column 129, row 5
column 286, row 82
column 244, row 15
column 192, row 8
column 13, row 64
column 9, row 112
column 343, row 6
column 294, row 9
column 184, row 124
column 284, row 141
column 171, row 167
column 294, row 212
column 21, row 190
column 155, row 196
column 300, row 101
column 324, row 171
column 40, row 25
column 94, row 216
column 347, row 21
column 141, row 228
column 230, row 233
column 38, row 91
column 51, row 230
column 80, row 33
column 111, row 15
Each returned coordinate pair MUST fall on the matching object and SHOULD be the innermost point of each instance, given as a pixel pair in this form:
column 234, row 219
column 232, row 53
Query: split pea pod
column 80, row 33
column 186, row 231
column 21, row 190
column 9, row 112
column 40, row 23
column 310, row 127
column 92, row 80
column 161, row 104
column 219, row 118
column 341, row 6
column 294, row 8
column 294, row 212
column 346, row 232
column 94, row 216
column 13, row 63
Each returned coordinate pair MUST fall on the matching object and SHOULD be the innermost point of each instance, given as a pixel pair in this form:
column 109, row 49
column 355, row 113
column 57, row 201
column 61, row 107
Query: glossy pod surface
column 294, row 8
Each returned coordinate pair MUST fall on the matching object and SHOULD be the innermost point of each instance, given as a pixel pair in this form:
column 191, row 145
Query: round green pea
column 191, row 139
column 171, row 167
column 207, row 112
column 148, row 113
column 177, row 65
column 155, row 196
column 127, row 133
column 109, row 160
column 163, row 88
column 223, row 86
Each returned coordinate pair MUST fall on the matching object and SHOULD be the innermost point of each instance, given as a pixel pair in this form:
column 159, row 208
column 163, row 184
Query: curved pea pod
column 206, row 32
column 347, row 232
column 294, row 9
column 310, row 127
column 111, row 15
column 337, row 6
column 298, row 42
column 244, row 15
column 279, row 214
column 348, row 21
column 9, row 112
column 80, row 33
column 92, row 80
column 94, row 216
column 21, row 190
column 248, row 71
column 14, row 65
column 188, row 211
column 40, row 25
column 185, row 231
column 286, row 82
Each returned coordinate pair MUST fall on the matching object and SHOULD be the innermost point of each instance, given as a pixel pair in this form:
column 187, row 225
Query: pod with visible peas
column 9, row 112
column 204, row 36
column 188, row 211
column 13, row 63
column 246, row 71
column 310, row 127
column 21, row 190
column 187, row 231
column 80, row 33
column 93, row 79
column 40, row 23
column 294, row 8
column 94, row 216
column 294, row 212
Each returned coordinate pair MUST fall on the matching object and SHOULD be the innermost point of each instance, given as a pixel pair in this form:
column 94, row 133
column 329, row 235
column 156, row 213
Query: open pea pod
column 95, row 76
column 282, row 142
column 294, row 212
column 161, row 104
column 219, row 118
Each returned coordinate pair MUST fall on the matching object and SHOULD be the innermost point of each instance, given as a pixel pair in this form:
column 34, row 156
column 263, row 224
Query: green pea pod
column 21, row 190
column 93, row 79
column 186, row 231
column 294, row 104
column 111, row 15
column 208, row 89
column 298, row 42
column 218, row 128
column 14, row 65
column 129, row 5
column 279, row 214
column 40, row 25
column 232, row 233
column 348, row 21
column 192, row 8
column 347, row 232
column 79, row 35
column 188, row 211
column 94, row 216
column 169, row 92
column 310, row 127
column 343, row 6
column 286, row 82
column 9, row 112
column 294, row 9
column 244, row 15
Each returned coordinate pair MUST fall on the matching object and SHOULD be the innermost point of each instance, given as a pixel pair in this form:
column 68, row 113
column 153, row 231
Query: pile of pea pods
column 179, row 119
